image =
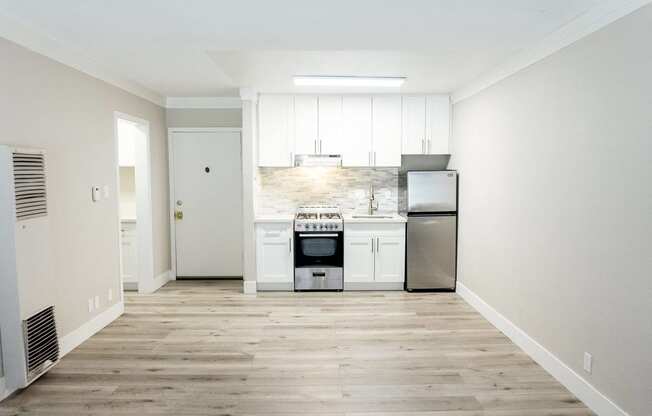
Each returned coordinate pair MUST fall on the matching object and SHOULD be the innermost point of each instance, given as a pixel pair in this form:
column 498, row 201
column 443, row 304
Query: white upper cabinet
column 275, row 144
column 414, row 125
column 355, row 142
column 386, row 131
column 306, row 124
column 368, row 131
column 330, row 125
column 438, row 124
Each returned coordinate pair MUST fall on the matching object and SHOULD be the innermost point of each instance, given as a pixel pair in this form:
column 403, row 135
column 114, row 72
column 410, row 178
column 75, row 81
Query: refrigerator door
column 432, row 191
column 431, row 252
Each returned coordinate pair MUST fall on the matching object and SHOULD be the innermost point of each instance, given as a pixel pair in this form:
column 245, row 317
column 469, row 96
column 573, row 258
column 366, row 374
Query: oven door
column 318, row 249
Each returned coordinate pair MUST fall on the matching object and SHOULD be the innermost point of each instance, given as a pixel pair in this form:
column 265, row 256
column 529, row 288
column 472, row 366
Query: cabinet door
column 330, row 125
column 358, row 258
column 274, row 254
column 390, row 258
column 306, row 127
column 386, row 131
column 438, row 124
column 414, row 125
column 274, row 134
column 129, row 252
column 356, row 131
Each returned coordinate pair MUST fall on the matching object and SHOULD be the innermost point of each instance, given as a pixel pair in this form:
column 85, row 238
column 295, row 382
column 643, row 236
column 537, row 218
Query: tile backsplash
column 282, row 190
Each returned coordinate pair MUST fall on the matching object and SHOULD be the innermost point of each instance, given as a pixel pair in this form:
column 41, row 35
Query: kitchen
column 339, row 208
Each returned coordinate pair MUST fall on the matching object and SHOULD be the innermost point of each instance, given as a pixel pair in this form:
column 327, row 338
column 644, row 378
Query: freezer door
column 431, row 252
column 434, row 191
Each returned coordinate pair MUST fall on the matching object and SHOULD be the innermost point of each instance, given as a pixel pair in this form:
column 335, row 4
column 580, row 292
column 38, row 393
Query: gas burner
column 318, row 218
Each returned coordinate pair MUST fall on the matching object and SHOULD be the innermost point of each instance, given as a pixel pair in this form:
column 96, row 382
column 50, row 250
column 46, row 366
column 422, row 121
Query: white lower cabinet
column 129, row 253
column 374, row 256
column 274, row 256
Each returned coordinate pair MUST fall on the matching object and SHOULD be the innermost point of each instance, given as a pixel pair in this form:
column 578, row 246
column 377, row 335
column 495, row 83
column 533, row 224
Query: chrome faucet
column 372, row 199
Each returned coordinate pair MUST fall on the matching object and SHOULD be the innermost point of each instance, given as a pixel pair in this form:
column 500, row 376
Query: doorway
column 206, row 199
column 134, row 203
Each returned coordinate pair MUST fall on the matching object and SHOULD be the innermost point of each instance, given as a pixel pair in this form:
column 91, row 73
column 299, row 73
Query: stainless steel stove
column 318, row 248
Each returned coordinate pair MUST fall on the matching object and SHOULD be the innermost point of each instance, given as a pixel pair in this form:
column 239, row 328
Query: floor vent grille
column 42, row 343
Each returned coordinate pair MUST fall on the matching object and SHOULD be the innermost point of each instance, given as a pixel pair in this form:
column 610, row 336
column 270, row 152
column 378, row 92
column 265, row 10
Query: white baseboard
column 90, row 328
column 577, row 385
column 249, row 287
column 274, row 287
column 156, row 284
column 4, row 393
column 374, row 286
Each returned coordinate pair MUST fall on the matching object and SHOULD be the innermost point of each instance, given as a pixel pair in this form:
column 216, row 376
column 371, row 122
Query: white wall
column 71, row 115
column 556, row 204
column 204, row 117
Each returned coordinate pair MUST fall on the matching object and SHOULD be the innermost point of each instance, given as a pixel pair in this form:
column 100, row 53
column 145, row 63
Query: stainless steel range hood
column 318, row 160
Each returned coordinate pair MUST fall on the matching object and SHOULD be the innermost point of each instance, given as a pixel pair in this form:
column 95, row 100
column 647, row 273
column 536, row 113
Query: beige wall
column 48, row 105
column 182, row 117
column 556, row 204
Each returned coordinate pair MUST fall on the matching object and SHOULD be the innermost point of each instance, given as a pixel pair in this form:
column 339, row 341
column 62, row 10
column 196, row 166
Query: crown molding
column 203, row 102
column 590, row 22
column 23, row 35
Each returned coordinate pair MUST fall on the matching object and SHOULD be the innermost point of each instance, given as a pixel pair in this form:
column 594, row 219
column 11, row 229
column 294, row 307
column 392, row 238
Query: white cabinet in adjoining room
column 438, row 124
column 414, row 124
column 275, row 137
column 374, row 256
column 306, row 124
column 386, row 131
column 129, row 254
column 356, row 141
column 275, row 256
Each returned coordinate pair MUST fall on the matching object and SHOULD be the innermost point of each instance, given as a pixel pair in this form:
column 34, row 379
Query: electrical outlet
column 90, row 305
column 588, row 362
column 110, row 295
column 97, row 302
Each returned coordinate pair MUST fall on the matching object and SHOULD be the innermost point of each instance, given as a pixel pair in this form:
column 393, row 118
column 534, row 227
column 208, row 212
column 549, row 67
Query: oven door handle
column 318, row 235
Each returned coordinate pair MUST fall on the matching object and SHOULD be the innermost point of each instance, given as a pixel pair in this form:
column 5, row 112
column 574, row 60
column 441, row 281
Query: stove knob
column 321, row 226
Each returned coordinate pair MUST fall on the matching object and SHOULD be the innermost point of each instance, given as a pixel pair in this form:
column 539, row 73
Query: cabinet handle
column 315, row 146
column 290, row 244
column 320, row 148
column 378, row 245
column 374, row 158
column 372, row 244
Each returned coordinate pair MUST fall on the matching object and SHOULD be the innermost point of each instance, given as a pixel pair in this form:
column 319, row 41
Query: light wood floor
column 203, row 348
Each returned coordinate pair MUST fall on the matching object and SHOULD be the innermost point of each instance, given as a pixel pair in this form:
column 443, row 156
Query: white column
column 249, row 122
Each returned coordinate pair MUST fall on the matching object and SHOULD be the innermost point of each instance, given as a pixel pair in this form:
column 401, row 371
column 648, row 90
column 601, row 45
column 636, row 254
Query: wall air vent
column 29, row 185
column 41, row 343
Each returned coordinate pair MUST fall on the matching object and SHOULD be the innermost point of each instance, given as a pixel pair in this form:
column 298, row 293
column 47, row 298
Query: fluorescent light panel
column 347, row 81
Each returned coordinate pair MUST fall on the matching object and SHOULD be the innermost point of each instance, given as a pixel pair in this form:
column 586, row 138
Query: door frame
column 144, row 210
column 171, row 132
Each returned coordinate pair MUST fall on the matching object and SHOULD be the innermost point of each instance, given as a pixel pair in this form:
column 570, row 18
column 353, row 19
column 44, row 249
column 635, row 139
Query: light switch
column 96, row 193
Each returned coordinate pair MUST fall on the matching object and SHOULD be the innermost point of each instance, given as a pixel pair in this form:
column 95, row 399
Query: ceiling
column 213, row 47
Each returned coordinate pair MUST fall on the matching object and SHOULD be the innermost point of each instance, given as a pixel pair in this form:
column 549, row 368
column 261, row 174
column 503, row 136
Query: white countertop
column 283, row 218
column 376, row 218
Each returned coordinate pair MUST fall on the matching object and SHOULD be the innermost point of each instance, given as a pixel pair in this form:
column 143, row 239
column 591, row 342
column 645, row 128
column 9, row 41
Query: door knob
column 178, row 214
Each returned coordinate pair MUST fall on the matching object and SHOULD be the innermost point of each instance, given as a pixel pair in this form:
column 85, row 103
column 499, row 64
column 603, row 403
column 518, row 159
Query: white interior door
column 208, row 193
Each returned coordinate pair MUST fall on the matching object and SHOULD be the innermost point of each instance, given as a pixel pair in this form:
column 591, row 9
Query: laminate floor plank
column 204, row 348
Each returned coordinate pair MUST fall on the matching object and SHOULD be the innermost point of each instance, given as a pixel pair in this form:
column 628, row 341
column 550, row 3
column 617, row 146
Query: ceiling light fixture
column 347, row 81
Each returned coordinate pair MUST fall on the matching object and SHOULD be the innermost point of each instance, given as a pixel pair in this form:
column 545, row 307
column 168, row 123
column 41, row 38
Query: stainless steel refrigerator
column 431, row 230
